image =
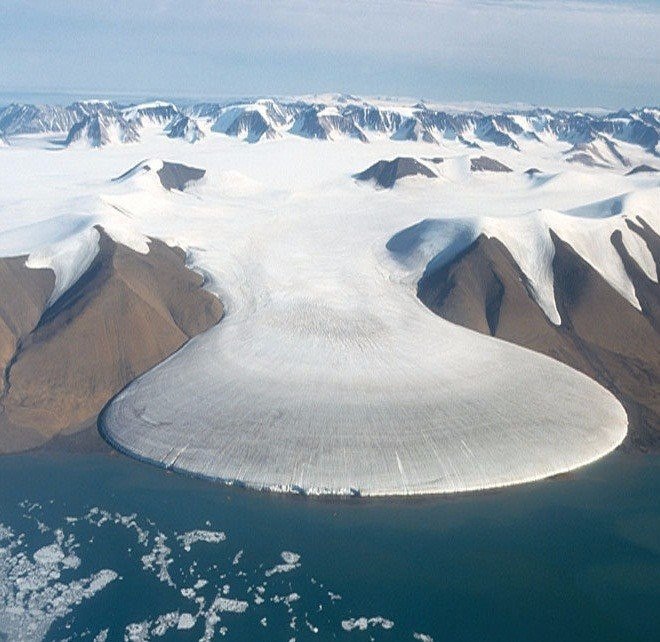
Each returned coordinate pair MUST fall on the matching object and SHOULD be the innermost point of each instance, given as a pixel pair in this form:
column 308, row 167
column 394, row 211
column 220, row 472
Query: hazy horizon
column 65, row 98
column 564, row 53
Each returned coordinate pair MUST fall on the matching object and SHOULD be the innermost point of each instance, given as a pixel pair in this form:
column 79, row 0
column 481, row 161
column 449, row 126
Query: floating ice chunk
column 164, row 623
column 363, row 623
column 49, row 555
column 137, row 632
column 129, row 522
column 34, row 593
column 229, row 605
column 422, row 637
column 291, row 562
column 191, row 537
column 186, row 621
column 159, row 559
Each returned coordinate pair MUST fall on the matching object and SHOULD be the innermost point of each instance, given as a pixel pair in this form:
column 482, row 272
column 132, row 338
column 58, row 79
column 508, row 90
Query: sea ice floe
column 159, row 559
column 291, row 562
column 137, row 632
column 186, row 621
column 191, row 537
column 363, row 623
column 229, row 605
column 163, row 623
column 36, row 589
column 33, row 590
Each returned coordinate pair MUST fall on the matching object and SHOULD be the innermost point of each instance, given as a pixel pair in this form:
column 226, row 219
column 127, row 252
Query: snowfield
column 327, row 374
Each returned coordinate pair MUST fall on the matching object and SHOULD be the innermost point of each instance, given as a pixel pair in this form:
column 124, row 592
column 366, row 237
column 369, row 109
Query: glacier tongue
column 329, row 376
column 316, row 399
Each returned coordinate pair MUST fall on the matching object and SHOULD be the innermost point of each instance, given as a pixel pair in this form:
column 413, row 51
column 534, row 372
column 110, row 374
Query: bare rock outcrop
column 63, row 363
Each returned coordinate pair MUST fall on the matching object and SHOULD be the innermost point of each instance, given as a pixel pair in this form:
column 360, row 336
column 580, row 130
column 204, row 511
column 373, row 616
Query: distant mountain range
column 594, row 137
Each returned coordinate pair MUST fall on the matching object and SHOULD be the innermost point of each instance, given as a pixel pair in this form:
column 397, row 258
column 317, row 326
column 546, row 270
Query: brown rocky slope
column 61, row 364
column 601, row 334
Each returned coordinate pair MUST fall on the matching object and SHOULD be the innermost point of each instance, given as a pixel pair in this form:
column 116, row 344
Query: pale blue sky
column 554, row 52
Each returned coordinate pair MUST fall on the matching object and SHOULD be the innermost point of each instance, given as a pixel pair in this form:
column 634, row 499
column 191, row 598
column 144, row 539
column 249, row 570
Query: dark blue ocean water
column 573, row 558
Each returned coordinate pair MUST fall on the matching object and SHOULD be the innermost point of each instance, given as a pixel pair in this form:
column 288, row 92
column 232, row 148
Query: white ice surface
column 327, row 374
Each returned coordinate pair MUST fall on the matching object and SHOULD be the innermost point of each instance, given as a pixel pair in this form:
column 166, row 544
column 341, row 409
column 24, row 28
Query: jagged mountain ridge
column 328, row 118
column 184, row 127
column 17, row 119
column 101, row 129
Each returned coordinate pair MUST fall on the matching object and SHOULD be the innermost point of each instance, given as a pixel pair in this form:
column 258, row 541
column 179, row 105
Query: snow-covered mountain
column 486, row 164
column 100, row 129
column 326, row 122
column 413, row 129
column 532, row 241
column 170, row 176
column 599, row 152
column 184, row 127
column 157, row 113
column 339, row 117
column 18, row 119
column 336, row 116
column 387, row 173
column 249, row 124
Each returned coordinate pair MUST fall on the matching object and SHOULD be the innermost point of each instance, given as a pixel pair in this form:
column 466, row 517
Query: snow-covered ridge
column 151, row 173
column 67, row 245
column 334, row 117
column 100, row 129
column 184, row 127
column 588, row 230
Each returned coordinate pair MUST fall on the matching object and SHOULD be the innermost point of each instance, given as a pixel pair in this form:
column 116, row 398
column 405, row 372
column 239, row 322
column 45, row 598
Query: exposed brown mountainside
column 128, row 312
column 387, row 173
column 601, row 334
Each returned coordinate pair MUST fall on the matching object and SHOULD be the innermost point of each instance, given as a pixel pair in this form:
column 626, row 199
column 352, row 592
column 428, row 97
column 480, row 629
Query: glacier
column 327, row 374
